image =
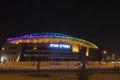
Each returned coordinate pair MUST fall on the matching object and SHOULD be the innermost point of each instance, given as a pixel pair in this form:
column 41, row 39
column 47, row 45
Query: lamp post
column 83, row 72
column 3, row 56
column 115, row 60
column 104, row 55
column 38, row 63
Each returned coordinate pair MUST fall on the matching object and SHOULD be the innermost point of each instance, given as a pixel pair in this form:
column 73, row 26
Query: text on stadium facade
column 60, row 45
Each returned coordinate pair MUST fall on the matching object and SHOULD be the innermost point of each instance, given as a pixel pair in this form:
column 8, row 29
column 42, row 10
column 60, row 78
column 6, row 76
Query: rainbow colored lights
column 50, row 38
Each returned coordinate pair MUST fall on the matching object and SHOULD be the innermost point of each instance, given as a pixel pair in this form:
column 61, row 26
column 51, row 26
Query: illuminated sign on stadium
column 60, row 45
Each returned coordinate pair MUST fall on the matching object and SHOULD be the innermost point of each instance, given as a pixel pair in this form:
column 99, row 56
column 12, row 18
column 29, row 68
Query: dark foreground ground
column 92, row 74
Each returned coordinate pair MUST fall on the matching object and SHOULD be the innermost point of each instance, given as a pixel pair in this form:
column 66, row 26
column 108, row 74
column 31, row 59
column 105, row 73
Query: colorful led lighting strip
column 34, row 38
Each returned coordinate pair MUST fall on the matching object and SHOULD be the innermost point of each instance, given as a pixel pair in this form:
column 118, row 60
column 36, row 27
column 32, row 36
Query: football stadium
column 47, row 47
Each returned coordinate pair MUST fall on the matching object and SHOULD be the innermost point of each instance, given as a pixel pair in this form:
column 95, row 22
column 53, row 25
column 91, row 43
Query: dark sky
column 97, row 22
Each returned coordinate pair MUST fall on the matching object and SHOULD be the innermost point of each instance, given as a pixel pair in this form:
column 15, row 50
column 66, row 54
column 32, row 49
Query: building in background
column 47, row 46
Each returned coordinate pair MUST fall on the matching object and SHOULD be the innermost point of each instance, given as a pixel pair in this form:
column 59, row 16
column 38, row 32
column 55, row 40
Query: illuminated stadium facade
column 45, row 47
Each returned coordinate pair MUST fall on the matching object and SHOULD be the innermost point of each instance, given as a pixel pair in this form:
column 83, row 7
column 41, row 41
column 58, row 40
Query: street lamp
column 83, row 71
column 104, row 55
column 3, row 49
column 3, row 56
column 35, row 48
column 104, row 52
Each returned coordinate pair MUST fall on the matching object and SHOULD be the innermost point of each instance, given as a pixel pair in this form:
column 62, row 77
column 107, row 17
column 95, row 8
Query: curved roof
column 50, row 37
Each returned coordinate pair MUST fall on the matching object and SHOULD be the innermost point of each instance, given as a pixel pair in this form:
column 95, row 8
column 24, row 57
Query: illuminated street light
column 35, row 48
column 3, row 49
column 3, row 58
column 104, row 52
column 104, row 55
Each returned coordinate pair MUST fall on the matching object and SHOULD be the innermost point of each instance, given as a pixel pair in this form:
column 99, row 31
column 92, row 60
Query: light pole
column 3, row 55
column 38, row 63
column 83, row 72
column 115, row 60
column 104, row 55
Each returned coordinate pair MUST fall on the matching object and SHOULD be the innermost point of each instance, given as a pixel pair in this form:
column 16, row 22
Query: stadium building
column 47, row 47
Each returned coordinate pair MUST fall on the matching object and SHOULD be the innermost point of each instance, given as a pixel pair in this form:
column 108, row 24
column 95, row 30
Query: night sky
column 97, row 22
